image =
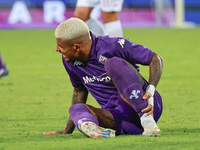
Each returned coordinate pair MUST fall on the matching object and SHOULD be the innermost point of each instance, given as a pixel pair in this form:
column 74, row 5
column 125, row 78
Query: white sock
column 96, row 26
column 114, row 29
column 147, row 122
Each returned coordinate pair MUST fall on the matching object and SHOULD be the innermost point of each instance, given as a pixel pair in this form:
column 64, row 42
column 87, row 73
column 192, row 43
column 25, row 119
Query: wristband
column 151, row 100
column 151, row 89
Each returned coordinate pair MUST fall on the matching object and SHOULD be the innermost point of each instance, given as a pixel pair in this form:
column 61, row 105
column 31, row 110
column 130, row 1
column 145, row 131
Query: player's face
column 67, row 50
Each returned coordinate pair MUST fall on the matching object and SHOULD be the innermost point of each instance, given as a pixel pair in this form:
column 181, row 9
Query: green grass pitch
column 36, row 95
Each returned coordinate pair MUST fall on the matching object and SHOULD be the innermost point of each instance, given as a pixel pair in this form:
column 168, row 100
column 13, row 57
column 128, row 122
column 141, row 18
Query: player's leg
column 112, row 24
column 110, row 16
column 130, row 86
column 83, row 11
column 93, row 122
column 3, row 70
column 128, row 82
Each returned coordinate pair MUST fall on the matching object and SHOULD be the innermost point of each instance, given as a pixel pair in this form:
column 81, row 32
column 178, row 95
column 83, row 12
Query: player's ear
column 77, row 47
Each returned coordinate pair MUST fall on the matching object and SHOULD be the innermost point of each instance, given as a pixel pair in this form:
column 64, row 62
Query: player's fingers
column 146, row 109
column 52, row 132
column 48, row 133
column 149, row 113
column 146, row 96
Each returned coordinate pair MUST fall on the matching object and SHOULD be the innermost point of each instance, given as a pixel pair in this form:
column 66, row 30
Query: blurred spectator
column 109, row 9
column 3, row 70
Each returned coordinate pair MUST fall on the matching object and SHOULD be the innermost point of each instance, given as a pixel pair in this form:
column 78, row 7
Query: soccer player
column 3, row 69
column 110, row 10
column 107, row 68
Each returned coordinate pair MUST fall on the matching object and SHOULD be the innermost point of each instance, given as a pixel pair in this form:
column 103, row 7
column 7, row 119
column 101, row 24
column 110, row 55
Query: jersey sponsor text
column 87, row 79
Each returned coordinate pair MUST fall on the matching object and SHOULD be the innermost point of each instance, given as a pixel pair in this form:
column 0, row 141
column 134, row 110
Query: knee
column 82, row 16
column 109, row 17
column 113, row 64
column 82, row 13
column 76, row 108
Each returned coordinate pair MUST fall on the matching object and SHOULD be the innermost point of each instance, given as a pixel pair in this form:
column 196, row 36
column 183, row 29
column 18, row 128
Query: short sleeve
column 135, row 53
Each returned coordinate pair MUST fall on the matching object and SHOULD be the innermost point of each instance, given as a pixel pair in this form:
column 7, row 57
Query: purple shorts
column 126, row 119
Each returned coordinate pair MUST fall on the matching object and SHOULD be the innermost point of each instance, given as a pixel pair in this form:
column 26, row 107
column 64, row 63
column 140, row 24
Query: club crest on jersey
column 102, row 59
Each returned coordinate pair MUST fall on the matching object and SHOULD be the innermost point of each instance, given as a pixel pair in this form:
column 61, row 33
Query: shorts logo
column 102, row 59
column 135, row 94
column 81, row 121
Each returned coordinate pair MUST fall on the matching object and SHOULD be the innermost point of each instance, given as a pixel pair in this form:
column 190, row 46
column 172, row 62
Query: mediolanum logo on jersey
column 101, row 78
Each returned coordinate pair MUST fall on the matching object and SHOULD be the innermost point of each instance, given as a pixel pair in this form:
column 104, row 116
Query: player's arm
column 79, row 96
column 155, row 69
column 155, row 72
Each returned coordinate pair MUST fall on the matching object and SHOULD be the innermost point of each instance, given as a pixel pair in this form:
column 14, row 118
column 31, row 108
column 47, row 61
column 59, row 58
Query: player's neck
column 86, row 53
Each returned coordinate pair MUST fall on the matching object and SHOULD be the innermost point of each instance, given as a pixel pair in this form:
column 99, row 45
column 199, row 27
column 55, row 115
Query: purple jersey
column 92, row 74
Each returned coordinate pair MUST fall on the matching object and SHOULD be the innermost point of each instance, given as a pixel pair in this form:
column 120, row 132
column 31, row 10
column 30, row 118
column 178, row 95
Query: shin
column 80, row 113
column 127, row 82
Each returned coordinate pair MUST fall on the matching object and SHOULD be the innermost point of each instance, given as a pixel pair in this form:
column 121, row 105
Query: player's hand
column 146, row 96
column 149, row 109
column 55, row 132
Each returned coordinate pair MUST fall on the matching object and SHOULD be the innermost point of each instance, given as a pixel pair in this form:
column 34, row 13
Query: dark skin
column 155, row 72
column 105, row 118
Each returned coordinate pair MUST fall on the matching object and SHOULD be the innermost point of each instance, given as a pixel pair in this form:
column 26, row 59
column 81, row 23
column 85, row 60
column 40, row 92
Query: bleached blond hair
column 71, row 29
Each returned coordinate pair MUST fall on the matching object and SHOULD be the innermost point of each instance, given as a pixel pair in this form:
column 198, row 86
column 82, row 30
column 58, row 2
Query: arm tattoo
column 155, row 69
column 79, row 96
column 69, row 128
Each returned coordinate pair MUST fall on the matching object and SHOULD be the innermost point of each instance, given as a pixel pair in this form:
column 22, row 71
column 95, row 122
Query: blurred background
column 135, row 13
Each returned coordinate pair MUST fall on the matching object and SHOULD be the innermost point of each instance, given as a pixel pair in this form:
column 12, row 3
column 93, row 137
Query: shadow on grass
column 182, row 130
column 6, row 84
column 41, row 138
